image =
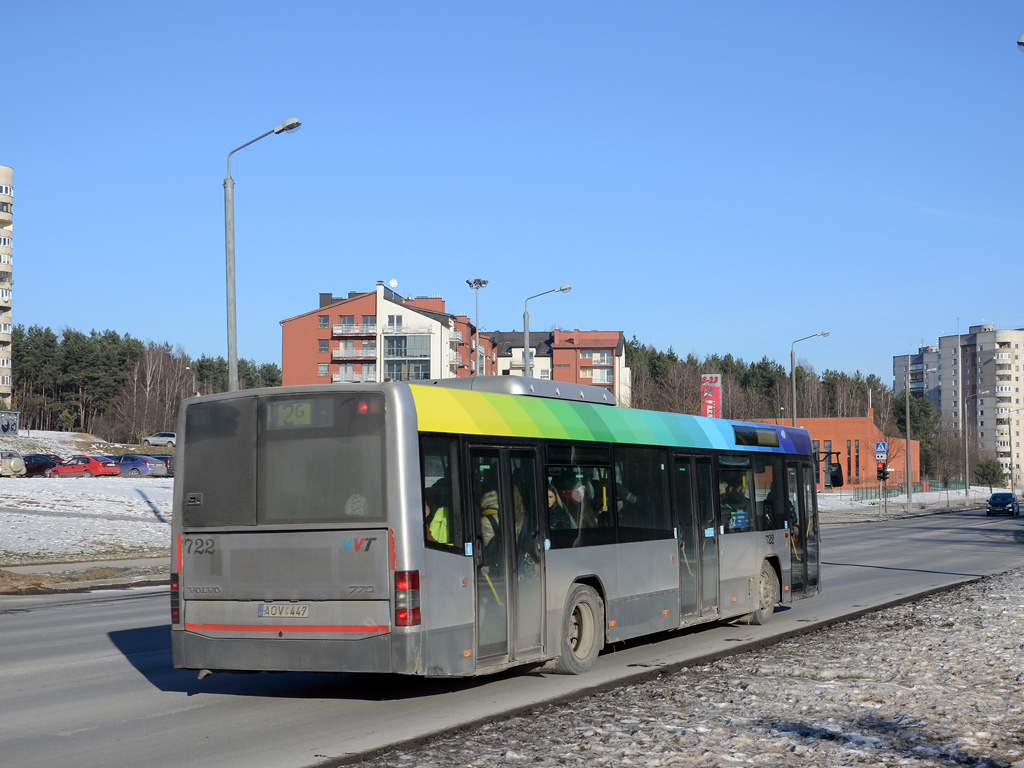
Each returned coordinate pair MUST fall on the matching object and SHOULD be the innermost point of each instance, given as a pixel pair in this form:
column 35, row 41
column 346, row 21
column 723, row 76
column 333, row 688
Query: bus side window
column 769, row 493
column 442, row 510
column 734, row 491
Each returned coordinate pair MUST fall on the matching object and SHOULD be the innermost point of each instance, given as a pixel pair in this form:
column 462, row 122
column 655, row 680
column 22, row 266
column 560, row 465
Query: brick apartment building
column 379, row 334
column 597, row 358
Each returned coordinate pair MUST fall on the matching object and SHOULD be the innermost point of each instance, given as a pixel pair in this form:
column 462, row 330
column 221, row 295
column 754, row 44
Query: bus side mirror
column 836, row 473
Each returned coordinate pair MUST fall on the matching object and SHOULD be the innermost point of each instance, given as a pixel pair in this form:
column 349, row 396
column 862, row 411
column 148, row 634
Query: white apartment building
column 973, row 378
column 6, row 278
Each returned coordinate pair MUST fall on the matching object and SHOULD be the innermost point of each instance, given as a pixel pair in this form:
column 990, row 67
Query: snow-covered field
column 80, row 518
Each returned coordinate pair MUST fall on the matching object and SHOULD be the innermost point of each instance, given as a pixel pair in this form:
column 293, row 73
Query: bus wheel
column 582, row 631
column 767, row 595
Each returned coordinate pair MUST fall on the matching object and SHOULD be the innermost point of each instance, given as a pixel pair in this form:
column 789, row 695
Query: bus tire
column 582, row 631
column 767, row 595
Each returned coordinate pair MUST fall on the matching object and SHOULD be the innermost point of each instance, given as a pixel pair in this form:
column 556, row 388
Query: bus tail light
column 175, row 598
column 407, row 598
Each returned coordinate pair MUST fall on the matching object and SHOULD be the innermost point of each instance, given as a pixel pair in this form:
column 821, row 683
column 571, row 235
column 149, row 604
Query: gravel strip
column 938, row 682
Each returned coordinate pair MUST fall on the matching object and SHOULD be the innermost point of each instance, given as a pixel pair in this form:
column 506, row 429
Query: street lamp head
column 291, row 125
column 1020, row 43
column 564, row 289
column 476, row 283
column 825, row 333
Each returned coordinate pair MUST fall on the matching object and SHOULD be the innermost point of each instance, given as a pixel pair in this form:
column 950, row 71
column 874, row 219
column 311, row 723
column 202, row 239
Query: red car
column 86, row 466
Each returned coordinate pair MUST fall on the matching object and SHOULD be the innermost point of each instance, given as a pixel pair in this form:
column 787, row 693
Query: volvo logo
column 204, row 590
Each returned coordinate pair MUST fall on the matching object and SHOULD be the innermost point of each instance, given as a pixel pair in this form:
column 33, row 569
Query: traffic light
column 881, row 471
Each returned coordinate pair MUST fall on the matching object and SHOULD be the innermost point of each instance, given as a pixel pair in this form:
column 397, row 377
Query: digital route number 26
column 293, row 414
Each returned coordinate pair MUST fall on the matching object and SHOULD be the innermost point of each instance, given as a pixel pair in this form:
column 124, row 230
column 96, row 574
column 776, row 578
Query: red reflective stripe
column 284, row 628
column 179, row 553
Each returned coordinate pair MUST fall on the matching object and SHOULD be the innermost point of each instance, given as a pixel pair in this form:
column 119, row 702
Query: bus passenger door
column 811, row 532
column 802, row 515
column 509, row 559
column 707, row 495
column 698, row 537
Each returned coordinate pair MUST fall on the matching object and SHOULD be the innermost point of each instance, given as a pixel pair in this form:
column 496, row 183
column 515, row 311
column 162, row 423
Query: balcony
column 354, row 330
column 408, row 330
column 354, row 354
column 352, row 378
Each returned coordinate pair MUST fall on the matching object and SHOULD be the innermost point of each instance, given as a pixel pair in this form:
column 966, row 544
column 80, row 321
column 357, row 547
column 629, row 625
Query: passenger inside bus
column 736, row 506
column 490, row 532
column 435, row 514
column 559, row 518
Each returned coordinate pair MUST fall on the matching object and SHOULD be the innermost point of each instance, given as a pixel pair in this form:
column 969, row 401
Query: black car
column 39, row 464
column 1001, row 504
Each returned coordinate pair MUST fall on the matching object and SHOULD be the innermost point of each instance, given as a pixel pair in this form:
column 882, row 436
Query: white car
column 11, row 464
column 161, row 438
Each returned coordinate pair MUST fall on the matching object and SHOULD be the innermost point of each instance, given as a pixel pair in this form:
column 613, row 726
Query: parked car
column 167, row 459
column 38, row 464
column 134, row 464
column 11, row 464
column 161, row 438
column 1003, row 504
column 86, row 466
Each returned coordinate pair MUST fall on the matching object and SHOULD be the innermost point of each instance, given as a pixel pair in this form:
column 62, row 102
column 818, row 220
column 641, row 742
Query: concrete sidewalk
column 83, row 576
column 109, row 574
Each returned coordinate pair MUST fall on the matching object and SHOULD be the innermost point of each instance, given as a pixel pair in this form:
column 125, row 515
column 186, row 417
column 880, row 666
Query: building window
column 321, row 369
column 370, row 321
column 324, row 321
column 323, row 345
column 346, row 320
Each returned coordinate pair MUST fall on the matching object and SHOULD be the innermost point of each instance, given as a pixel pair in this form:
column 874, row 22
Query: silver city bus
column 460, row 527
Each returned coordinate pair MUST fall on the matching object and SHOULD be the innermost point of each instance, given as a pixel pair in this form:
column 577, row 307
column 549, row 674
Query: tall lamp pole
column 195, row 382
column 906, row 452
column 288, row 126
column 967, row 457
column 527, row 358
column 792, row 366
column 476, row 284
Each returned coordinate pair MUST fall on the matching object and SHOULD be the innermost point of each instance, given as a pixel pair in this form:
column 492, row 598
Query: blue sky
column 714, row 177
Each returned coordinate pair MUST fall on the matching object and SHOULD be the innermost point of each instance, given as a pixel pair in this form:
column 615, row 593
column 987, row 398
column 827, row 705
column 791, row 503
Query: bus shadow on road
column 148, row 650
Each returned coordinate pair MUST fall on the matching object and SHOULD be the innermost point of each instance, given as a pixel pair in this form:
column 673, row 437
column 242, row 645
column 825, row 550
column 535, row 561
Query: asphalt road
column 88, row 677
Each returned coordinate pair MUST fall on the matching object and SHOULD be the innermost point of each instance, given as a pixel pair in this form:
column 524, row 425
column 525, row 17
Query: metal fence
column 889, row 490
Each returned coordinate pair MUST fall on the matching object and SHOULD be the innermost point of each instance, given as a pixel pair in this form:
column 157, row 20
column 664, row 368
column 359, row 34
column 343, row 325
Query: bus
column 460, row 527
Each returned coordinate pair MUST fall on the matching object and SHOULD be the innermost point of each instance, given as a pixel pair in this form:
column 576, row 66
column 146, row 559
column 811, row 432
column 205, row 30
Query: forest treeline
column 113, row 386
column 121, row 388
column 664, row 381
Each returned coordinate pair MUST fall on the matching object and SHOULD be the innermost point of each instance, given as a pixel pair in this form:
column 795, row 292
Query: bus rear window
column 285, row 459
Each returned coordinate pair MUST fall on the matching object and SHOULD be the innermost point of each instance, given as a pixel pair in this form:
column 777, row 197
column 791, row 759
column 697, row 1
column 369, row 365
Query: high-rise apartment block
column 6, row 278
column 972, row 379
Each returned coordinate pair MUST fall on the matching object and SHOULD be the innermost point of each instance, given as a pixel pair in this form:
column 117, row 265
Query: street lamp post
column 195, row 383
column 906, row 452
column 967, row 453
column 288, row 126
column 476, row 284
column 527, row 359
column 792, row 365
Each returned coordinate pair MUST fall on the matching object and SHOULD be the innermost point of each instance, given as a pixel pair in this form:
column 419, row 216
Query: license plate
column 284, row 611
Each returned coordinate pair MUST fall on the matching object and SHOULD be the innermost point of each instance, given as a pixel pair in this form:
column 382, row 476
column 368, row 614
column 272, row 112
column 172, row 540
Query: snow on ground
column 77, row 518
